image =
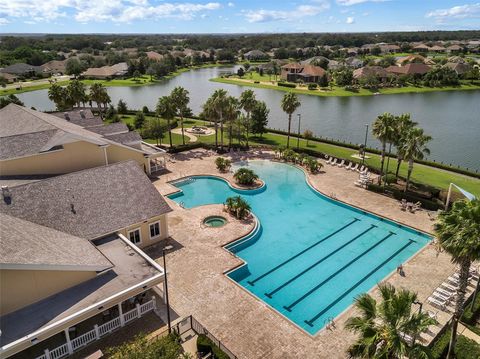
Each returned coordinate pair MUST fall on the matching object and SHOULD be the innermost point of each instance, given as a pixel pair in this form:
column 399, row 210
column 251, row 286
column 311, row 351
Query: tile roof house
column 22, row 69
column 55, row 67
column 421, row 48
column 107, row 72
column 37, row 143
column 409, row 69
column 367, row 71
column 459, row 67
column 71, row 257
column 256, row 55
column 307, row 73
column 10, row 78
column 154, row 56
column 454, row 48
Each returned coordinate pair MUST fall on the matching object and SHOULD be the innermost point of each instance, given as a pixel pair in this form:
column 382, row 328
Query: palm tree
column 414, row 149
column 180, row 98
column 289, row 104
column 458, row 233
column 99, row 94
column 166, row 110
column 56, row 93
column 403, row 126
column 76, row 91
column 231, row 112
column 384, row 328
column 383, row 129
column 220, row 102
column 248, row 102
column 210, row 114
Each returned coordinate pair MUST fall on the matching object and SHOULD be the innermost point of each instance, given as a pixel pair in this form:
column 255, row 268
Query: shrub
column 398, row 194
column 139, row 119
column 256, row 82
column 467, row 348
column 245, row 176
column 312, row 86
column 122, row 107
column 223, row 164
column 389, row 178
column 167, row 346
column 440, row 346
column 145, row 109
column 237, row 206
column 205, row 346
column 312, row 164
column 286, row 84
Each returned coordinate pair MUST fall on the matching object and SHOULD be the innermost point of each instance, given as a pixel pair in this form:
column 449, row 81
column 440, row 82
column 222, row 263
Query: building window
column 154, row 229
column 134, row 236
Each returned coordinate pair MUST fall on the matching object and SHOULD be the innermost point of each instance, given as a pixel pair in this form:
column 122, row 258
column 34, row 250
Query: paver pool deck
column 247, row 326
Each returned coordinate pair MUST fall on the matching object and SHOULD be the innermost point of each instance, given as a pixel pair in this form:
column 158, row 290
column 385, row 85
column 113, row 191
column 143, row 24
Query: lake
column 451, row 118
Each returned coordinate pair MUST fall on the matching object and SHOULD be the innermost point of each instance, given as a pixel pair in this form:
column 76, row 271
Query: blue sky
column 210, row 16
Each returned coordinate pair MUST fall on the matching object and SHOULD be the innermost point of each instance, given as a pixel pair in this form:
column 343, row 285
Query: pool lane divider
column 252, row 282
column 319, row 314
column 270, row 294
column 314, row 289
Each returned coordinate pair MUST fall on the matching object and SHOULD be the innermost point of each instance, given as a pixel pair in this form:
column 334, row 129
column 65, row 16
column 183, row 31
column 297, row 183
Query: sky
column 240, row 16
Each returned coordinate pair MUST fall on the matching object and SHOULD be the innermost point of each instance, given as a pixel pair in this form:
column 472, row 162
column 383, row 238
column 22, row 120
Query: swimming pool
column 311, row 255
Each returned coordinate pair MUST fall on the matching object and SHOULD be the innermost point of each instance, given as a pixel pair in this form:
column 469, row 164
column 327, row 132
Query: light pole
column 298, row 137
column 420, row 306
column 365, row 144
column 167, row 248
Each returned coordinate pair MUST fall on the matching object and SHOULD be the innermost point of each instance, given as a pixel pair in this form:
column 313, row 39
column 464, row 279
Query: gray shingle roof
column 28, row 244
column 110, row 129
column 126, row 138
column 75, row 117
column 21, row 69
column 89, row 203
column 24, row 144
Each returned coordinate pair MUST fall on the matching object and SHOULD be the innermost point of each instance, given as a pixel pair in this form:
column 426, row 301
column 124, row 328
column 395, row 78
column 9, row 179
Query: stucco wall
column 145, row 231
column 20, row 288
column 118, row 154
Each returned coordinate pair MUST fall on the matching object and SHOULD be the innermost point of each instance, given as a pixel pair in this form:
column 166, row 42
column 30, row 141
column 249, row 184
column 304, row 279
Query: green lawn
column 335, row 90
column 423, row 174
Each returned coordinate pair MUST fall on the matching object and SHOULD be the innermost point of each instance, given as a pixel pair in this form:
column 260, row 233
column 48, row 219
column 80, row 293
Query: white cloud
column 85, row 11
column 3, row 21
column 231, row 4
column 456, row 12
column 350, row 20
column 355, row 2
column 294, row 14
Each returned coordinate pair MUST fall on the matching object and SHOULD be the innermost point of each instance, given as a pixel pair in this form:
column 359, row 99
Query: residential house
column 370, row 71
column 37, row 143
column 389, row 48
column 255, row 55
column 154, row 56
column 23, row 70
column 106, row 72
column 421, row 48
column 454, row 49
column 438, row 48
column 410, row 58
column 354, row 62
column 459, row 67
column 294, row 72
column 55, row 67
column 10, row 78
column 413, row 69
column 71, row 265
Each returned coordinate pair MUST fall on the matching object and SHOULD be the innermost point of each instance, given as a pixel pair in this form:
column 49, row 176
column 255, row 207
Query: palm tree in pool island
column 166, row 109
column 387, row 329
column 289, row 104
column 458, row 233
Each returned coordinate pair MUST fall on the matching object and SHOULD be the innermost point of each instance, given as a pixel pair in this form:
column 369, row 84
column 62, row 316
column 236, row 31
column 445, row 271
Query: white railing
column 109, row 327
column 146, row 307
column 131, row 315
column 84, row 339
column 98, row 331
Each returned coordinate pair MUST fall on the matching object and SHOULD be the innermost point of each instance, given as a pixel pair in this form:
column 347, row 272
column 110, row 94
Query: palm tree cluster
column 239, row 116
column 458, row 233
column 223, row 164
column 289, row 155
column 388, row 329
column 175, row 104
column 237, row 206
column 75, row 94
column 245, row 176
column 402, row 133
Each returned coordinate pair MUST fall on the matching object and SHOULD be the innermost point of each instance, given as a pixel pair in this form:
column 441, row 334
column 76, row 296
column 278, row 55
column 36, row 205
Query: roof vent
column 65, row 114
column 72, row 208
column 7, row 196
column 82, row 114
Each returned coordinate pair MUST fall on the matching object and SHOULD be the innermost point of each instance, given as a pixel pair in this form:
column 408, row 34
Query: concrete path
column 192, row 137
column 462, row 329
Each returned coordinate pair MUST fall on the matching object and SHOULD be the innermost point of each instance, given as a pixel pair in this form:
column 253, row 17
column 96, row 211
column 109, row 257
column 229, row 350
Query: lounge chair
column 444, row 292
column 334, row 162
column 349, row 167
column 341, row 164
column 449, row 286
column 432, row 315
column 437, row 302
column 361, row 169
column 354, row 168
column 330, row 160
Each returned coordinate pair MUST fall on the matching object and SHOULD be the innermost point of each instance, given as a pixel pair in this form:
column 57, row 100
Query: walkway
column 192, row 137
column 245, row 324
column 462, row 329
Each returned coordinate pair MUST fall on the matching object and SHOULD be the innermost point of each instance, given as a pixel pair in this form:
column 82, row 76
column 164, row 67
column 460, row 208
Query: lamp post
column 420, row 306
column 167, row 248
column 298, row 137
column 365, row 144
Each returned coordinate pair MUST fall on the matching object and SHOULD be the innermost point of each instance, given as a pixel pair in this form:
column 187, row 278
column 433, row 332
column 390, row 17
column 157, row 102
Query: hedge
column 399, row 195
column 205, row 345
column 470, row 316
column 440, row 346
column 286, row 84
column 467, row 348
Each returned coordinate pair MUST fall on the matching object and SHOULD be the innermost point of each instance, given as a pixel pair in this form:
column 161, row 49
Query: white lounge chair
column 354, row 168
column 361, row 169
column 437, row 302
column 341, row 164
column 449, row 286
column 349, row 167
column 329, row 161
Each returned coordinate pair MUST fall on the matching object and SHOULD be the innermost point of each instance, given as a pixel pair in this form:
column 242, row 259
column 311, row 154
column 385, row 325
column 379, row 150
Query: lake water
column 451, row 118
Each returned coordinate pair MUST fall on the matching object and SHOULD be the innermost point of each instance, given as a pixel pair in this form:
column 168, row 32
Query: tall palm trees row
column 235, row 113
column 402, row 133
column 75, row 94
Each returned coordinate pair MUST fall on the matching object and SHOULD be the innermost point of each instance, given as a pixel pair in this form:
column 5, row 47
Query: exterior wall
column 145, row 231
column 118, row 154
column 20, row 288
column 74, row 157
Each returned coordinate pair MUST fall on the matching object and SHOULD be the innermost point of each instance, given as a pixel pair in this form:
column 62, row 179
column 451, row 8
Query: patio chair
column 449, row 286
column 361, row 169
column 349, row 166
column 334, row 162
column 329, row 161
column 341, row 164
column 437, row 302
column 354, row 168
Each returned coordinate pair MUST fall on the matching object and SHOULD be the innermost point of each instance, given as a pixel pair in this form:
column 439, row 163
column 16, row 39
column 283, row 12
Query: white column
column 138, row 311
column 105, row 154
column 154, row 302
column 69, row 343
column 120, row 314
column 47, row 353
column 97, row 333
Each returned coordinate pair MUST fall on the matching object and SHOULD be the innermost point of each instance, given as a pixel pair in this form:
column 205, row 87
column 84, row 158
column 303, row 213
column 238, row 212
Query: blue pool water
column 312, row 255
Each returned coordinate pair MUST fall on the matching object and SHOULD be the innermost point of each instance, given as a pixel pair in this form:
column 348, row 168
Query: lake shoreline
column 340, row 92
